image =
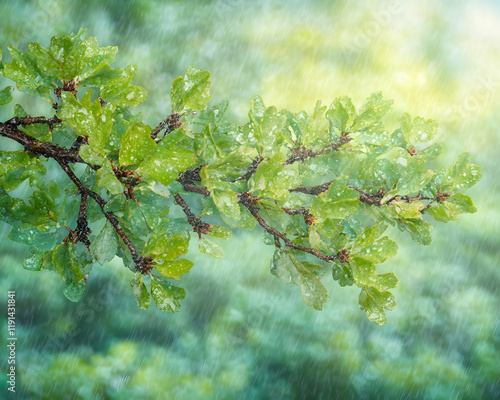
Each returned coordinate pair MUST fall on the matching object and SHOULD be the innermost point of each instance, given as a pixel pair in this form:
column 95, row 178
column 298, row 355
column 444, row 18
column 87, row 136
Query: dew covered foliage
column 324, row 186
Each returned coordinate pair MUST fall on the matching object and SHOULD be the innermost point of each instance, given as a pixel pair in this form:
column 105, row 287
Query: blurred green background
column 242, row 334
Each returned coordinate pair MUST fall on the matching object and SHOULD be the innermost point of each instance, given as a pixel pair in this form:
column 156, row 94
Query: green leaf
column 379, row 251
column 163, row 247
column 314, row 237
column 267, row 127
column 373, row 135
column 107, row 179
column 372, row 111
column 459, row 203
column 105, row 246
column 432, row 151
column 136, row 145
column 226, row 202
column 368, row 237
column 342, row 274
column 419, row 131
column 287, row 268
column 63, row 263
column 365, row 275
column 372, row 302
column 167, row 296
column 272, row 180
column 419, row 229
column 208, row 247
column 451, row 208
column 27, row 74
column 17, row 166
column 71, row 267
column 28, row 213
column 75, row 291
column 338, row 203
column 13, row 160
column 91, row 120
column 244, row 219
column 191, row 92
column 415, row 177
column 341, row 114
column 461, row 175
column 217, row 174
column 166, row 163
column 317, row 127
column 174, row 269
column 122, row 92
column 5, row 95
column 220, row 232
column 139, row 290
column 32, row 236
column 408, row 210
column 300, row 124
column 35, row 262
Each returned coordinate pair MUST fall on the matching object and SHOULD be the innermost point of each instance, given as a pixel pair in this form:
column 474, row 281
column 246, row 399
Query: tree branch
column 37, row 147
column 199, row 226
column 82, row 228
column 308, row 217
column 171, row 123
column 250, row 201
column 34, row 120
column 251, row 170
column 102, row 203
column 313, row 190
column 187, row 179
column 301, row 153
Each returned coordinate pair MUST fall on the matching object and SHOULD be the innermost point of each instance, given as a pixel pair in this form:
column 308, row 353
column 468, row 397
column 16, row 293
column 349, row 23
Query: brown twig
column 369, row 198
column 187, row 179
column 82, row 227
column 171, row 123
column 301, row 153
column 308, row 217
column 38, row 147
column 250, row 202
column 102, row 203
column 313, row 190
column 199, row 226
column 34, row 120
column 251, row 169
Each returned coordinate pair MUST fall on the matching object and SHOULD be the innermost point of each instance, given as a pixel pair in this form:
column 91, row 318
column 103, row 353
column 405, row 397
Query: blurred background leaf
column 242, row 333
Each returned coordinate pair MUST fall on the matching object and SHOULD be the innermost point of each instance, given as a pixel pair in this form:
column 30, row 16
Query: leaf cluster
column 323, row 187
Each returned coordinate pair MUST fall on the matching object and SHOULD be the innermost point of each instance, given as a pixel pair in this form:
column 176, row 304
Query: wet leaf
column 167, row 296
column 220, row 232
column 208, row 247
column 372, row 111
column 105, row 245
column 338, row 203
column 163, row 247
column 417, row 131
column 415, row 177
column 341, row 114
column 139, row 290
column 191, row 92
column 107, row 179
column 5, row 95
column 287, row 268
column 174, row 269
column 372, row 302
column 136, row 145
